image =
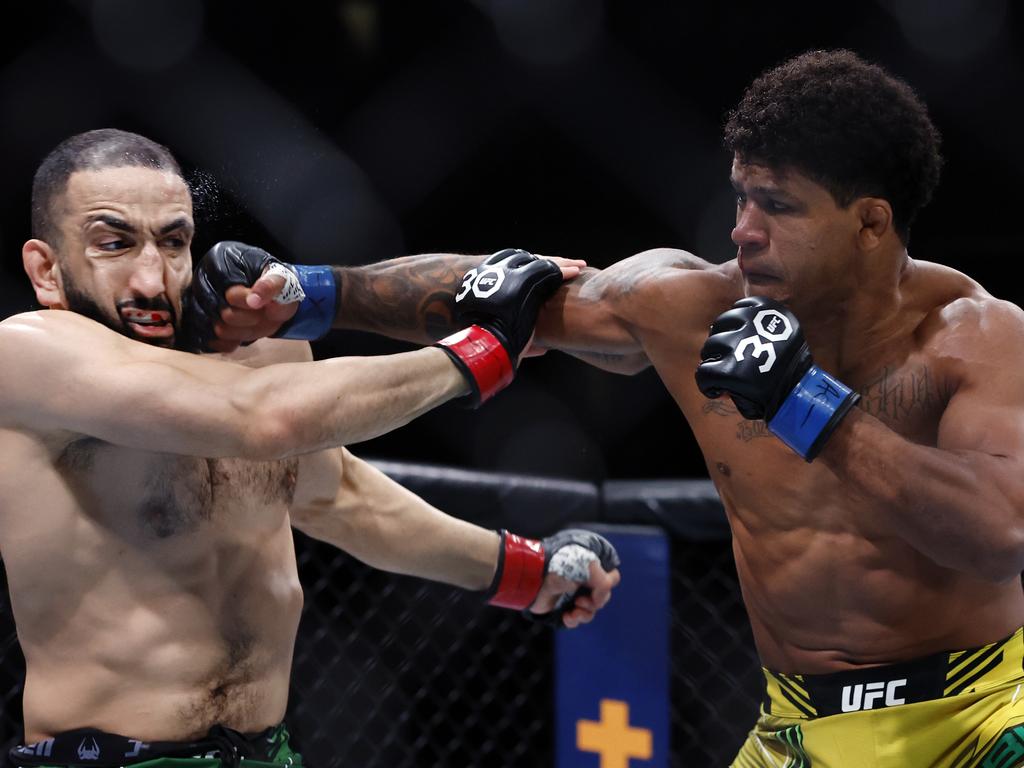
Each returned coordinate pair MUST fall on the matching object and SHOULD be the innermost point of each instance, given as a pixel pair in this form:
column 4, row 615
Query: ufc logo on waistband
column 864, row 695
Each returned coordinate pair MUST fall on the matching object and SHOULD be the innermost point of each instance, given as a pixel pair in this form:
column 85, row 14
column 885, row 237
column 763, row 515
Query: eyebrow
column 123, row 226
column 761, row 189
column 179, row 223
column 113, row 222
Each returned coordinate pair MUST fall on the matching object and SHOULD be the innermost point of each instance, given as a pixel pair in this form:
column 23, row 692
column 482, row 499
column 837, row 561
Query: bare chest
column 162, row 496
column 746, row 460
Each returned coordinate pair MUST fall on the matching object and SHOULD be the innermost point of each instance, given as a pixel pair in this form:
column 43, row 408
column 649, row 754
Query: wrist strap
column 315, row 315
column 519, row 574
column 811, row 411
column 482, row 359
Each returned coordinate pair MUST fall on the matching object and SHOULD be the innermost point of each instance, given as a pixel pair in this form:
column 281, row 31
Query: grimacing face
column 793, row 240
column 124, row 255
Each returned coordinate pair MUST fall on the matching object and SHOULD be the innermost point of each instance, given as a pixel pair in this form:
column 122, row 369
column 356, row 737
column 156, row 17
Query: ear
column 40, row 263
column 875, row 215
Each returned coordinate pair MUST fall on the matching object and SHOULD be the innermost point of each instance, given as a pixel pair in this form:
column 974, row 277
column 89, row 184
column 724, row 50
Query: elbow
column 274, row 439
column 268, row 434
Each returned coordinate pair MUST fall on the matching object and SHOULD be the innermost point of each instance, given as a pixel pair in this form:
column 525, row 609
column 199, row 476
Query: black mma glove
column 232, row 263
column 523, row 563
column 756, row 354
column 498, row 301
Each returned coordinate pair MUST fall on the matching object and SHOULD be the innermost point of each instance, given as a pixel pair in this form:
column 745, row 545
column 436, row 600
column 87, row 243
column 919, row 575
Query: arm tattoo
column 593, row 283
column 746, row 430
column 896, row 395
column 410, row 297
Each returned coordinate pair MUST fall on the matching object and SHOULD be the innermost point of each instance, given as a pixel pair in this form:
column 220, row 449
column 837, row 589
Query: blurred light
column 147, row 36
column 546, row 32
column 951, row 30
column 281, row 169
column 342, row 226
column 361, row 22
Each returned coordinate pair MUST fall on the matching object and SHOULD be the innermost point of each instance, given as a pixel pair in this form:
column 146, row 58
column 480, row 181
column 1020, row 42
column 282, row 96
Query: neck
column 842, row 330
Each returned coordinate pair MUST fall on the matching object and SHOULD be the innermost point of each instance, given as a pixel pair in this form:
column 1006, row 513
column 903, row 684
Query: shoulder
column 659, row 271
column 965, row 320
column 49, row 329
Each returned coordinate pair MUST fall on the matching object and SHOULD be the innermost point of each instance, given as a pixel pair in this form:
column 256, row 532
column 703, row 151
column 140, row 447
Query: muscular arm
column 961, row 503
column 591, row 317
column 73, row 375
column 350, row 504
column 346, row 502
column 407, row 298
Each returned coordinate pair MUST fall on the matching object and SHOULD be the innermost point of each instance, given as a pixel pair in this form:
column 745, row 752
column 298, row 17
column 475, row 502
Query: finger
column 576, row 617
column 264, row 290
column 235, row 334
column 586, row 603
column 562, row 262
column 240, row 318
column 235, row 296
column 601, row 584
column 568, row 273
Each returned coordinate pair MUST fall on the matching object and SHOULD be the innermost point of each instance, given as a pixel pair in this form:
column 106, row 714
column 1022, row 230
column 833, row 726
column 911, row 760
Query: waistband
column 88, row 746
column 938, row 676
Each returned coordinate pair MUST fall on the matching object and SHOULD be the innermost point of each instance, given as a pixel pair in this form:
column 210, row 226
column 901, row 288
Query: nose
column 148, row 278
column 749, row 232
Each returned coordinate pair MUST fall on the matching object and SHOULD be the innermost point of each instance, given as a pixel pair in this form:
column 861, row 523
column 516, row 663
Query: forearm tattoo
column 410, row 297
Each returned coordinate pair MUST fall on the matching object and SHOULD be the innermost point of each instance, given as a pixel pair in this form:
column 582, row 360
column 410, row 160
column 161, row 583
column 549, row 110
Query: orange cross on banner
column 591, row 694
column 613, row 738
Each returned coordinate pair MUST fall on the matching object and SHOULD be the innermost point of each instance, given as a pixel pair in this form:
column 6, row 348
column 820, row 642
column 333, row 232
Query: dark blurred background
column 357, row 130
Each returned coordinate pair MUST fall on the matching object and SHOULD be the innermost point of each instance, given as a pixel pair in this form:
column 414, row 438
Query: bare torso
column 154, row 595
column 827, row 584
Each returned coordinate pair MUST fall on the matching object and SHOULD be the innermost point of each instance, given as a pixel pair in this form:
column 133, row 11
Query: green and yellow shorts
column 961, row 709
column 221, row 747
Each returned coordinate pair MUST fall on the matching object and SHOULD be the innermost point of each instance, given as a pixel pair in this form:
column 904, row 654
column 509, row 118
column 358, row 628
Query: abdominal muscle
column 134, row 630
column 159, row 653
column 832, row 591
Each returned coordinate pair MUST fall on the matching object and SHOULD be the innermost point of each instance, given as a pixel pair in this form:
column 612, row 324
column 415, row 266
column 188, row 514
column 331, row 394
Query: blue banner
column 612, row 675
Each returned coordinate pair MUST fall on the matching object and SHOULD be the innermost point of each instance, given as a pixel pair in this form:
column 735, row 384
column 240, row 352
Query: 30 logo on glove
column 773, row 326
column 498, row 301
column 769, row 374
column 483, row 283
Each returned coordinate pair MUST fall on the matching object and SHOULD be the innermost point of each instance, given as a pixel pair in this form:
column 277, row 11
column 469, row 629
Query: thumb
column 264, row 290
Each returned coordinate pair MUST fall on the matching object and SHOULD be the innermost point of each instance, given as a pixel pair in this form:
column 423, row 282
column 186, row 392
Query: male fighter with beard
column 148, row 494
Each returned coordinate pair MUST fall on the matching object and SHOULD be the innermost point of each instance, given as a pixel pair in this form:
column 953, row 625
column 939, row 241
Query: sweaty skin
column 148, row 495
column 905, row 536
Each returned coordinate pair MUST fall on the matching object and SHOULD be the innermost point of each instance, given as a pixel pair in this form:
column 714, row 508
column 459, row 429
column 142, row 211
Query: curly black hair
column 849, row 125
